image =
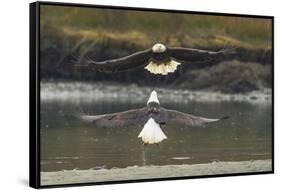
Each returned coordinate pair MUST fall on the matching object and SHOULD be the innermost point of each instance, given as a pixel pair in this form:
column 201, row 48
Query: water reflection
column 67, row 143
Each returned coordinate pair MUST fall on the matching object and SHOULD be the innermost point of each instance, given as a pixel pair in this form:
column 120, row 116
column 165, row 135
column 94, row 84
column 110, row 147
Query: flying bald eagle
column 151, row 117
column 159, row 59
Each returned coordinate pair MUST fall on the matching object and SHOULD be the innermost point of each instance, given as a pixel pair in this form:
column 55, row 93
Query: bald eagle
column 159, row 59
column 151, row 117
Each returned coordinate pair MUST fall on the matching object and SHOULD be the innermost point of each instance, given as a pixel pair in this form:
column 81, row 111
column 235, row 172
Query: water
column 67, row 143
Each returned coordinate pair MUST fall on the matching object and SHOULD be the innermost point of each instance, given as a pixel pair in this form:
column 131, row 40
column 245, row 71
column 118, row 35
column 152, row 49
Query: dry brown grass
column 140, row 29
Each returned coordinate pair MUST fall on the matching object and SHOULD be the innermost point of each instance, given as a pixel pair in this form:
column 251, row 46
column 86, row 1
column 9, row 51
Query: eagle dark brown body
column 151, row 117
column 159, row 59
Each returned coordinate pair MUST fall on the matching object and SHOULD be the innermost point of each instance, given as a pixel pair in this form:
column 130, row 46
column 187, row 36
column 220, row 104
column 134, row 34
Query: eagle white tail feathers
column 152, row 133
column 163, row 68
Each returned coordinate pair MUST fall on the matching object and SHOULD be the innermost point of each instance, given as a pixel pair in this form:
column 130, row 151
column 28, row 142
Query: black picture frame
column 34, row 93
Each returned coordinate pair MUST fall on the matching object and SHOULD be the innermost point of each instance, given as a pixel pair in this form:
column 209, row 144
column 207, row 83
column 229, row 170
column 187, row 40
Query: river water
column 67, row 143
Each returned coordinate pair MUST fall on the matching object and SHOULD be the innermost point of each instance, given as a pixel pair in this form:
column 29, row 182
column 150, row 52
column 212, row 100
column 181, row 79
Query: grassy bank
column 172, row 29
column 68, row 33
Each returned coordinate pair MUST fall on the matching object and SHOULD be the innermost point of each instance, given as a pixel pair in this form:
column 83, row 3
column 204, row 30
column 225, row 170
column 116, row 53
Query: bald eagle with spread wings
column 151, row 117
column 159, row 59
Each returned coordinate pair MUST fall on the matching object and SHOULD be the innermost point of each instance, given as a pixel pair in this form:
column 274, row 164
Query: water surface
column 67, row 143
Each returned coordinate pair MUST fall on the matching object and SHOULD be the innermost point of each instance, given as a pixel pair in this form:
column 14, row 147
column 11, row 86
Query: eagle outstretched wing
column 132, row 117
column 135, row 60
column 190, row 55
column 169, row 116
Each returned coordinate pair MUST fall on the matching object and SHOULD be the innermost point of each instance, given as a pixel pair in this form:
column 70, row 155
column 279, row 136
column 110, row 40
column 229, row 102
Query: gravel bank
column 148, row 172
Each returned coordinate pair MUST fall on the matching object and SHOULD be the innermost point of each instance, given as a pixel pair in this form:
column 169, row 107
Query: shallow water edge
column 148, row 172
column 88, row 92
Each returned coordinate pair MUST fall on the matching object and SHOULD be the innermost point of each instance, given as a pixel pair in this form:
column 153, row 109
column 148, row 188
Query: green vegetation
column 108, row 33
column 143, row 30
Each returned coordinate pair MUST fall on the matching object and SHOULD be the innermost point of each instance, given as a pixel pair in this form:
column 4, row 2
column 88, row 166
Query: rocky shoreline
column 82, row 91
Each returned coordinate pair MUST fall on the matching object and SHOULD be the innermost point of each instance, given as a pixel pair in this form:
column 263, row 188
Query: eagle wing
column 127, row 118
column 190, row 55
column 134, row 60
column 168, row 116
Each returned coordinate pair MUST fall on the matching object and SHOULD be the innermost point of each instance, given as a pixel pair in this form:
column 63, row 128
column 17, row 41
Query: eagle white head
column 153, row 97
column 158, row 48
